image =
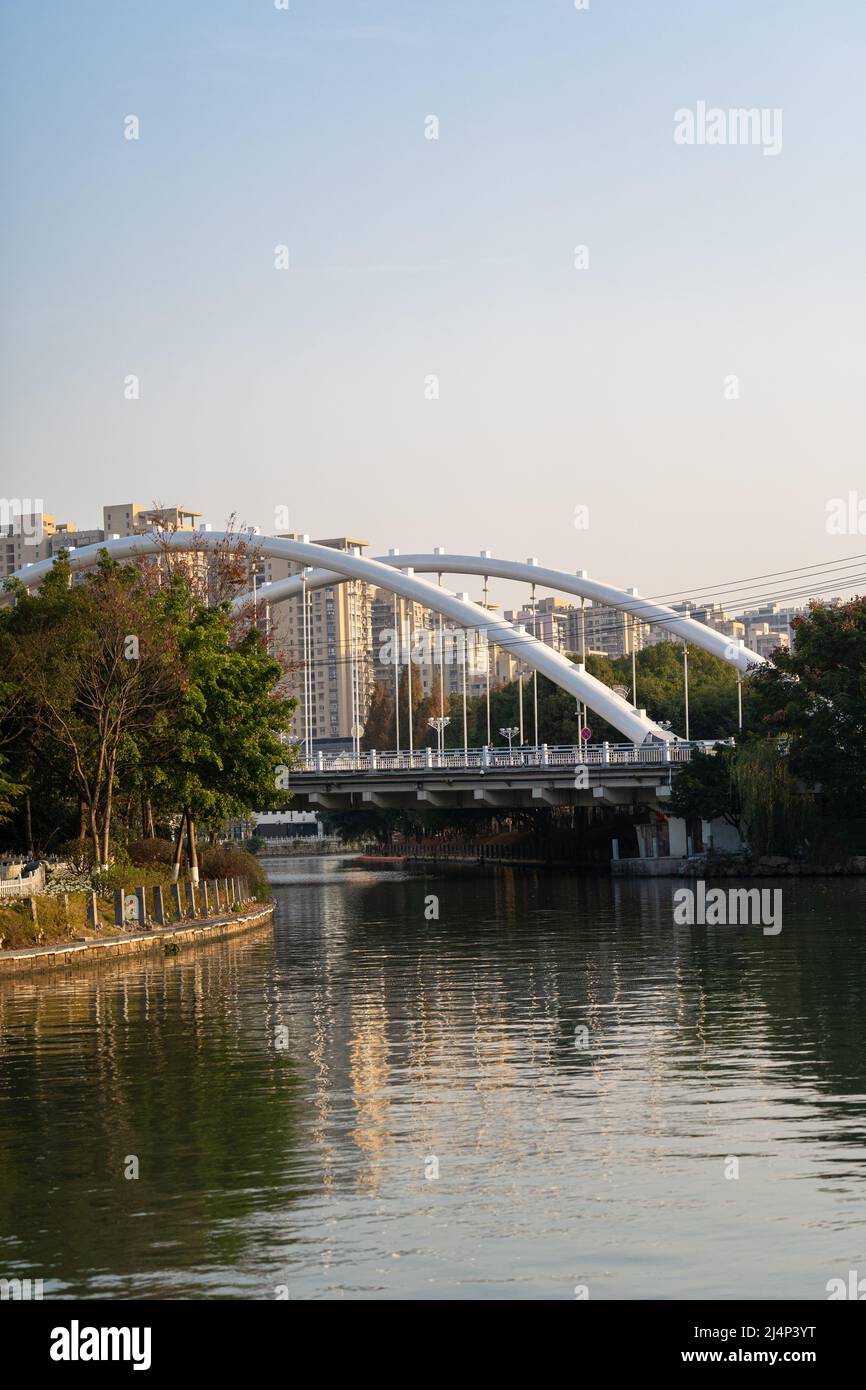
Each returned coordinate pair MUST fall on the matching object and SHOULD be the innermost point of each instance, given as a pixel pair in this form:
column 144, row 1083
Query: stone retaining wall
column 28, row 959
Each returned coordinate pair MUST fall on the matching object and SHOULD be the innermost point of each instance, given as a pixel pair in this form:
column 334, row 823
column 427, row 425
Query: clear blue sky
column 558, row 388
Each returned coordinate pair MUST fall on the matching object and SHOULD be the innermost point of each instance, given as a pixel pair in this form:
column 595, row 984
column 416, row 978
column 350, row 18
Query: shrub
column 130, row 877
column 148, row 852
column 79, row 855
column 227, row 861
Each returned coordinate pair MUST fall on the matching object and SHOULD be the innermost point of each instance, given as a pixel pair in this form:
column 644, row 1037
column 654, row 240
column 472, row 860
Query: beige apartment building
column 123, row 519
column 131, row 519
column 24, row 538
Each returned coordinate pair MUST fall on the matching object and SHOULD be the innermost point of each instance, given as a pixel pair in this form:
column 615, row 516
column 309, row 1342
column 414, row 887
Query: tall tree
column 814, row 696
column 92, row 666
column 227, row 756
column 379, row 728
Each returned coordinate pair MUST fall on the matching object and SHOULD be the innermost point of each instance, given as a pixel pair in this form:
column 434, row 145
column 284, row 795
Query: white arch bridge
column 323, row 566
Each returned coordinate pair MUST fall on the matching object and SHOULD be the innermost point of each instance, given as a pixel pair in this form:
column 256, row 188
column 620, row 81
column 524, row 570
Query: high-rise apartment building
column 131, row 519
column 27, row 537
column 329, row 647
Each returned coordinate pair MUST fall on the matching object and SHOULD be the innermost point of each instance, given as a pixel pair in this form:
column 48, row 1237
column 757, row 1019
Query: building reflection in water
column 406, row 1038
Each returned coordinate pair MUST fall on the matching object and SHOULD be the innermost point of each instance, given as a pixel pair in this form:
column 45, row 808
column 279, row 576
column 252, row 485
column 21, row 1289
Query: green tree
column 776, row 812
column 225, row 756
column 9, row 793
column 815, row 697
column 705, row 788
column 91, row 666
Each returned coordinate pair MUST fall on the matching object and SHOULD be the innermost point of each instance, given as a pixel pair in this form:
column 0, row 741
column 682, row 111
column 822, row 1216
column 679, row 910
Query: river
column 549, row 1090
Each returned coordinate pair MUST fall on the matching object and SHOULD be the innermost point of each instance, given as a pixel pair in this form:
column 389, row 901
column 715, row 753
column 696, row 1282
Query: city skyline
column 825, row 580
column 345, row 642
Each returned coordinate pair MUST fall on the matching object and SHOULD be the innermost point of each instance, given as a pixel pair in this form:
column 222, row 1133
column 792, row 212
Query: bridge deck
column 616, row 774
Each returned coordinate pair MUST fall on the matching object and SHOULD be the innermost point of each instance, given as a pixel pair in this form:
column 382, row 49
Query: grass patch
column 57, row 921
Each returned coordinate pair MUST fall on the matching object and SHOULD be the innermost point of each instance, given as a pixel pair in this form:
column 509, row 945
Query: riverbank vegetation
column 135, row 721
column 795, row 784
column 60, row 913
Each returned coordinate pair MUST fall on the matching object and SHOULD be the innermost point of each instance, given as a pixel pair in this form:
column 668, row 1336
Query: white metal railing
column 430, row 759
column 23, row 887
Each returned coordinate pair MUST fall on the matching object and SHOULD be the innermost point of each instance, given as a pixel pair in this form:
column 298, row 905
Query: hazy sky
column 604, row 387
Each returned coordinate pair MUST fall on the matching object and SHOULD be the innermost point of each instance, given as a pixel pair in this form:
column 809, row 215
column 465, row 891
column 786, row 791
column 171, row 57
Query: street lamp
column 440, row 724
column 509, row 734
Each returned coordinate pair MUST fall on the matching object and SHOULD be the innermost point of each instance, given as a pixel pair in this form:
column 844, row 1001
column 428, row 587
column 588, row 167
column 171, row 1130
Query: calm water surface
column 289, row 1095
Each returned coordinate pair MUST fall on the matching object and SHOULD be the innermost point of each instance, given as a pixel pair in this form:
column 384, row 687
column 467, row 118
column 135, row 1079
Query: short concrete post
column 614, row 849
column 205, row 899
column 176, row 901
column 92, row 910
column 119, row 900
column 544, row 755
column 158, row 906
column 320, row 766
column 226, row 898
column 428, row 757
column 190, row 898
column 216, row 894
column 141, row 899
column 374, row 760
column 605, row 752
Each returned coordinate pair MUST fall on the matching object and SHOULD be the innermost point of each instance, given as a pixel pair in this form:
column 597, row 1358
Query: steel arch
column 645, row 610
column 387, row 575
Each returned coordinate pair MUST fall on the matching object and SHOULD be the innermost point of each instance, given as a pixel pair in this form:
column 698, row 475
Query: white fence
column 23, row 887
column 592, row 754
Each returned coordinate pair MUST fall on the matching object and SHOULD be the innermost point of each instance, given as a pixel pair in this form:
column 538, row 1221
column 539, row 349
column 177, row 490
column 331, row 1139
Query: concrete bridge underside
column 506, row 788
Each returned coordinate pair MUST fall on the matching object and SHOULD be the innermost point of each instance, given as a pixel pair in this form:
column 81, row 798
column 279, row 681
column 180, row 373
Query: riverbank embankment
column 166, row 940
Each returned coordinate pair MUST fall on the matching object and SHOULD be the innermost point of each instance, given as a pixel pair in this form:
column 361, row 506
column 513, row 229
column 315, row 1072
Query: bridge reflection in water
column 304, row 1162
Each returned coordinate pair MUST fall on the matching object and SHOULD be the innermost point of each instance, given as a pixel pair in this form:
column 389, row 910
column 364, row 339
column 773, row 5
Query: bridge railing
column 546, row 755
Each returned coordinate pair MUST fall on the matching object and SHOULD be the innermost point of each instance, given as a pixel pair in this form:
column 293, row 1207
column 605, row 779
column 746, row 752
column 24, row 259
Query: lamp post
column 440, row 723
column 581, row 717
column 487, row 659
column 686, row 684
column 510, row 734
column 534, row 607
